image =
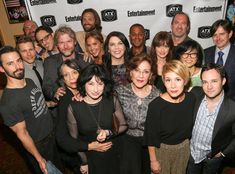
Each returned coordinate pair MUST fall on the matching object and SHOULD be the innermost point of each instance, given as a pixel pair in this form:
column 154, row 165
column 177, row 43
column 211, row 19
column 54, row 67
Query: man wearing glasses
column 45, row 37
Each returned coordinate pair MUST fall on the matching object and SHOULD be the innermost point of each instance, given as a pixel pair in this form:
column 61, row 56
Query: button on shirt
column 203, row 130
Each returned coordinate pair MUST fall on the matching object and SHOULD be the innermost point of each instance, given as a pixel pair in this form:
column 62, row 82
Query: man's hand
column 43, row 165
column 155, row 167
column 84, row 169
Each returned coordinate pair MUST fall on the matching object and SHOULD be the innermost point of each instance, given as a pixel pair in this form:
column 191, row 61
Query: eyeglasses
column 192, row 55
column 44, row 39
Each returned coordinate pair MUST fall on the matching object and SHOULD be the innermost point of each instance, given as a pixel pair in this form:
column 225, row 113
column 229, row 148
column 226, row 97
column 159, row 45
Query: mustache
column 20, row 69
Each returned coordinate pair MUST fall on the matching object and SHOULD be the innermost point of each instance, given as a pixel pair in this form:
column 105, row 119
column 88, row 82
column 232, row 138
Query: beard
column 18, row 74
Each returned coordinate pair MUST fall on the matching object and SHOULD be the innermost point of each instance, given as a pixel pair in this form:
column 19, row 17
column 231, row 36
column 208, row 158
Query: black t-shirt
column 27, row 104
column 169, row 123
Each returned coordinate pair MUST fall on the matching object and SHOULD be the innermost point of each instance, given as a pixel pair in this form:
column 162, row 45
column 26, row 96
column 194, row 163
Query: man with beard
column 213, row 135
column 90, row 21
column 24, row 111
column 180, row 28
column 65, row 40
column 137, row 39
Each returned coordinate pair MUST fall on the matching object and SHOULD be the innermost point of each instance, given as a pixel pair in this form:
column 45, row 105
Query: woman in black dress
column 90, row 121
column 169, row 122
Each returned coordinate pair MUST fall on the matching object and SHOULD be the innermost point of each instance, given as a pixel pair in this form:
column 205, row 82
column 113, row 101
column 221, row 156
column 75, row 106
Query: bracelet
column 110, row 133
column 222, row 154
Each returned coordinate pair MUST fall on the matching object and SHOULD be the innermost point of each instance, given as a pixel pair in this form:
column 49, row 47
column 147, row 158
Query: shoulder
column 209, row 49
column 123, row 89
column 52, row 58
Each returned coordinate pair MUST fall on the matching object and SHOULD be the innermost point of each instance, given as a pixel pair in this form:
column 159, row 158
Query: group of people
column 95, row 104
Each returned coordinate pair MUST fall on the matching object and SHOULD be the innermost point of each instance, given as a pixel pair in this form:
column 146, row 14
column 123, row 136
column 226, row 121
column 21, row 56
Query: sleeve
column 11, row 115
column 230, row 13
column 49, row 86
column 152, row 126
column 63, row 137
column 120, row 115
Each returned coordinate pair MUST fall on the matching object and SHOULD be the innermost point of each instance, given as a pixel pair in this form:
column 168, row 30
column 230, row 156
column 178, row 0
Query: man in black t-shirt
column 24, row 111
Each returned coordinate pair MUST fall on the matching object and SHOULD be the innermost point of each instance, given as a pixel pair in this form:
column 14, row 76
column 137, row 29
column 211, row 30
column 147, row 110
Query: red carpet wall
column 119, row 15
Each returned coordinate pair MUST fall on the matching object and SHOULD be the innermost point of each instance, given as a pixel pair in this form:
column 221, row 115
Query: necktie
column 38, row 75
column 220, row 58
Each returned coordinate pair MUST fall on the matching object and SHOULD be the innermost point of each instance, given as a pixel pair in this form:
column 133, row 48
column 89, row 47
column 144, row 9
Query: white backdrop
column 119, row 15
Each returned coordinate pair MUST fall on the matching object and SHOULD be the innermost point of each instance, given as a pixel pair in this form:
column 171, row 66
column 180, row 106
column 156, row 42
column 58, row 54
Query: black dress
column 84, row 120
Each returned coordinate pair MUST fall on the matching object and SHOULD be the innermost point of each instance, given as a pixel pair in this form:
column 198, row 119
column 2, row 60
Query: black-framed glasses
column 45, row 38
column 192, row 55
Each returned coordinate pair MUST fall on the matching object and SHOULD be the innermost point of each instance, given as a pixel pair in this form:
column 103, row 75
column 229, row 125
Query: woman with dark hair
column 169, row 122
column 161, row 52
column 134, row 98
column 116, row 56
column 68, row 74
column 94, row 44
column 189, row 53
column 90, row 121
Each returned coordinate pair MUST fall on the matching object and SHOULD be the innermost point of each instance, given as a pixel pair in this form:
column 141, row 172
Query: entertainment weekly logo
column 172, row 9
column 74, row 1
column 204, row 32
column 109, row 15
column 41, row 2
column 48, row 20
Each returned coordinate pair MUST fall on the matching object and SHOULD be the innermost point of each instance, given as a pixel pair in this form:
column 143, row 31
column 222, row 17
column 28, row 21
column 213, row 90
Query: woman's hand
column 99, row 147
column 102, row 135
column 84, row 169
column 155, row 167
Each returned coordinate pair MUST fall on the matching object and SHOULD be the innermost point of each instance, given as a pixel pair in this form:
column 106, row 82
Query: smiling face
column 174, row 84
column 221, row 38
column 212, row 83
column 141, row 75
column 66, row 45
column 94, row 46
column 94, row 89
column 88, row 21
column 116, row 48
column 137, row 37
column 162, row 51
column 12, row 65
column 45, row 39
column 189, row 58
column 180, row 26
column 70, row 77
column 27, row 52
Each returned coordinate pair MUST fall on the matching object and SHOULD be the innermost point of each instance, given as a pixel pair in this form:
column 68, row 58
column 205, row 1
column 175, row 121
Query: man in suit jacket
column 213, row 135
column 221, row 33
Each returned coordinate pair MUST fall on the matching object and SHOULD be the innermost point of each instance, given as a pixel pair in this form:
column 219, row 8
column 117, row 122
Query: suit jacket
column 223, row 137
column 229, row 67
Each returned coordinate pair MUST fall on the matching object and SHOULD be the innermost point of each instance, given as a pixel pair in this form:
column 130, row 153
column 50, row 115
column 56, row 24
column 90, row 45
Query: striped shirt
column 203, row 131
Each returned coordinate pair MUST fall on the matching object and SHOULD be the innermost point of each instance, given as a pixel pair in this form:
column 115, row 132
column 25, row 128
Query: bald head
column 29, row 28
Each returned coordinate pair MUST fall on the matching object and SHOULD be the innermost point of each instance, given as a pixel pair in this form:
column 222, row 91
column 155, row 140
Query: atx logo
column 147, row 33
column 172, row 9
column 204, row 32
column 48, row 20
column 109, row 15
column 74, row 1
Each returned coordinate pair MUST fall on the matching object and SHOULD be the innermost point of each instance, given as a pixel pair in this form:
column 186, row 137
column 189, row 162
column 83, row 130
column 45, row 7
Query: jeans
column 51, row 169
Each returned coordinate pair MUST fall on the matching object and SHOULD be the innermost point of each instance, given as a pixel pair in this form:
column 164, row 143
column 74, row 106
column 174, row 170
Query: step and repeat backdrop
column 119, row 15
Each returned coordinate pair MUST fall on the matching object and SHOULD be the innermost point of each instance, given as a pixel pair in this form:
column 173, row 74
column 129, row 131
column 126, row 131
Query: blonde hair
column 178, row 68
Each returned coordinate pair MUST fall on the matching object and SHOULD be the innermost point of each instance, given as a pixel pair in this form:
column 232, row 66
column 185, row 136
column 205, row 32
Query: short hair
column 98, row 71
column 64, row 30
column 95, row 34
column 219, row 68
column 5, row 50
column 43, row 28
column 23, row 39
column 188, row 19
column 189, row 45
column 71, row 63
column 107, row 55
column 160, row 39
column 225, row 24
column 135, row 61
column 178, row 68
column 136, row 25
column 96, row 16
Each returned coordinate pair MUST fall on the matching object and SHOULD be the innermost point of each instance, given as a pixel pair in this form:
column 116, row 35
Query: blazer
column 229, row 67
column 223, row 137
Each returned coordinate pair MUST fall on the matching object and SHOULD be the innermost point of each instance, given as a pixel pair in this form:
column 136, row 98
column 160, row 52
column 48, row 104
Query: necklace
column 96, row 120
